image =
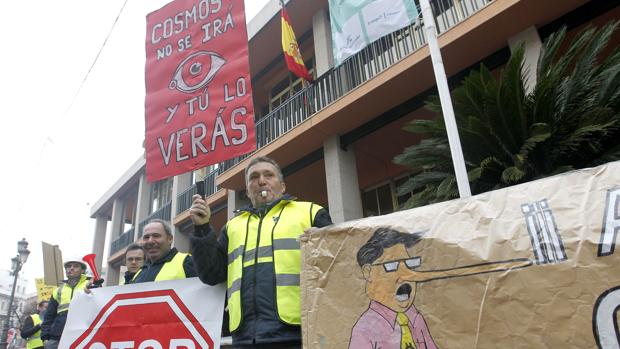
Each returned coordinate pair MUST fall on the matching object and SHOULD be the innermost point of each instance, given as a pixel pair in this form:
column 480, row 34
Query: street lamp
column 16, row 265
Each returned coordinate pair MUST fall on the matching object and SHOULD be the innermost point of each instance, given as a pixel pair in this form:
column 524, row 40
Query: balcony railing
column 184, row 200
column 123, row 240
column 356, row 70
column 339, row 81
column 163, row 214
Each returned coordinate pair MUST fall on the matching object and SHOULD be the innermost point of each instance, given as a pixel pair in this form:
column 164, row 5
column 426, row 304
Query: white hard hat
column 75, row 259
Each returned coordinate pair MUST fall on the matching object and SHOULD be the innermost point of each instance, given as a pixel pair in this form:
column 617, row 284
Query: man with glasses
column 391, row 321
column 134, row 261
column 392, row 274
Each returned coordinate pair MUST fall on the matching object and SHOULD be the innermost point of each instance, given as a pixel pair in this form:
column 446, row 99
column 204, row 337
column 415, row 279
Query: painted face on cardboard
column 155, row 241
column 134, row 260
column 263, row 177
column 388, row 278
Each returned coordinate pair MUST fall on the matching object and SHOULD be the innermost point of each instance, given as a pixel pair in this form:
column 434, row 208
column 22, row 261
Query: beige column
column 322, row 34
column 101, row 224
column 532, row 44
column 344, row 199
column 180, row 183
column 116, row 228
column 112, row 276
column 143, row 204
column 236, row 200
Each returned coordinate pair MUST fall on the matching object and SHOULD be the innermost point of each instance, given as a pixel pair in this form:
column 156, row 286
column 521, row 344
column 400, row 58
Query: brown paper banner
column 531, row 266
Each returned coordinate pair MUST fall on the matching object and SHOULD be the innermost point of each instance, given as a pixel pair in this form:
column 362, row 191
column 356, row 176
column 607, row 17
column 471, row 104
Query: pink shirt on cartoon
column 377, row 328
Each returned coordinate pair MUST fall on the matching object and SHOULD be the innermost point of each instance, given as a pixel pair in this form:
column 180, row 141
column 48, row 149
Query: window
column 287, row 87
column 161, row 194
column 383, row 199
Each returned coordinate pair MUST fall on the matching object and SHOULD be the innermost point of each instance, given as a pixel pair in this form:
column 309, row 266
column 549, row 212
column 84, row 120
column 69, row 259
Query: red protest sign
column 198, row 105
column 151, row 319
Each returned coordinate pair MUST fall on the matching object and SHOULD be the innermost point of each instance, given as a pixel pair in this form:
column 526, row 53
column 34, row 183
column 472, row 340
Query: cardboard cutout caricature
column 531, row 266
column 390, row 270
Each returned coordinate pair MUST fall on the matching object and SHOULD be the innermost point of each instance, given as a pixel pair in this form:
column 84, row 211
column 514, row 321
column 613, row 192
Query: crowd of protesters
column 257, row 244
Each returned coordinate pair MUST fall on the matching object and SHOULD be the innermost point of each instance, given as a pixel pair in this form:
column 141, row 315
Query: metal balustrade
column 184, row 200
column 163, row 213
column 356, row 70
column 123, row 240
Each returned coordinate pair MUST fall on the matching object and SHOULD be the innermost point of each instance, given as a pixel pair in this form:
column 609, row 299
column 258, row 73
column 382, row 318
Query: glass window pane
column 384, row 195
column 369, row 203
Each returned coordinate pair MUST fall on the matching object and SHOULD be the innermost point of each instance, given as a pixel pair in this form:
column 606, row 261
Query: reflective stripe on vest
column 173, row 269
column 64, row 293
column 279, row 243
column 136, row 275
column 35, row 341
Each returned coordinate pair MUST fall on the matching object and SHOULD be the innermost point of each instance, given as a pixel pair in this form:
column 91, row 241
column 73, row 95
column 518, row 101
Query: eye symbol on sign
column 196, row 71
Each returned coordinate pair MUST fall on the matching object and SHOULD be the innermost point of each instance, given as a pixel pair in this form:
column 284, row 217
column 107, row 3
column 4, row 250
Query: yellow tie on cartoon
column 406, row 339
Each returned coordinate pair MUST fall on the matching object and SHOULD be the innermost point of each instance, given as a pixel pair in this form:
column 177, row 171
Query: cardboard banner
column 181, row 314
column 44, row 292
column 357, row 23
column 199, row 108
column 531, row 266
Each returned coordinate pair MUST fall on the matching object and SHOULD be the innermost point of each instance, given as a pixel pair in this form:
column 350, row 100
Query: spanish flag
column 292, row 56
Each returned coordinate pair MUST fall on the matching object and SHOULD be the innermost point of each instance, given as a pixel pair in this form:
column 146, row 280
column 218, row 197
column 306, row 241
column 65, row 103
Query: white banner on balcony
column 357, row 23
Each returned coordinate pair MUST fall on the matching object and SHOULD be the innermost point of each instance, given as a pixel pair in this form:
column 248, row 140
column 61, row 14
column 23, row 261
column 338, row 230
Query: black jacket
column 260, row 321
column 129, row 277
column 150, row 270
column 28, row 329
column 53, row 322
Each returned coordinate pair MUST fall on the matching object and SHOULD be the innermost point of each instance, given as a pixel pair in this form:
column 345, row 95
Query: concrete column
column 180, row 183
column 236, row 200
column 112, row 275
column 118, row 208
column 322, row 34
column 344, row 199
column 101, row 224
column 532, row 44
column 143, row 203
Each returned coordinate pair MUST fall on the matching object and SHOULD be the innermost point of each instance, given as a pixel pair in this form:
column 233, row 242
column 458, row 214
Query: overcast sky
column 61, row 150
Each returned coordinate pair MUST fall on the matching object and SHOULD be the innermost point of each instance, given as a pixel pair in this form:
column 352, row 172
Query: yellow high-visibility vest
column 172, row 270
column 35, row 341
column 279, row 243
column 64, row 294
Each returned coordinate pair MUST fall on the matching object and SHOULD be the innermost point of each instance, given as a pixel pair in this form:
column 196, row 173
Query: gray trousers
column 51, row 344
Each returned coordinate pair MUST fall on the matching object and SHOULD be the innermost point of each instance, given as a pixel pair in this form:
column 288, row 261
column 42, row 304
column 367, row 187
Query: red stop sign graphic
column 145, row 320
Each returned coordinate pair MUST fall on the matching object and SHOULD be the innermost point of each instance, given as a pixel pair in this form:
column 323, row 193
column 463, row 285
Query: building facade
column 335, row 139
column 21, row 303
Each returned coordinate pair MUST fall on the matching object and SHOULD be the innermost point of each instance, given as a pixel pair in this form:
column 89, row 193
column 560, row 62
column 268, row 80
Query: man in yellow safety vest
column 164, row 261
column 58, row 308
column 257, row 254
column 31, row 330
column 134, row 261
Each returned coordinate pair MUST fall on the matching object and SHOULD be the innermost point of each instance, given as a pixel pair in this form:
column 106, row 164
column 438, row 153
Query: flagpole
column 446, row 102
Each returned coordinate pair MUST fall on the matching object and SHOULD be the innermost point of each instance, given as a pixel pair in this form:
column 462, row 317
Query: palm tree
column 570, row 120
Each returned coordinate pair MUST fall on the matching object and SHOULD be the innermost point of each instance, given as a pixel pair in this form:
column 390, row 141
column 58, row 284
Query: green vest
column 64, row 294
column 279, row 243
column 172, row 270
column 35, row 341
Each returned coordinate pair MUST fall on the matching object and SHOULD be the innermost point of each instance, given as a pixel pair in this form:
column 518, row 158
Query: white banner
column 179, row 314
column 357, row 23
